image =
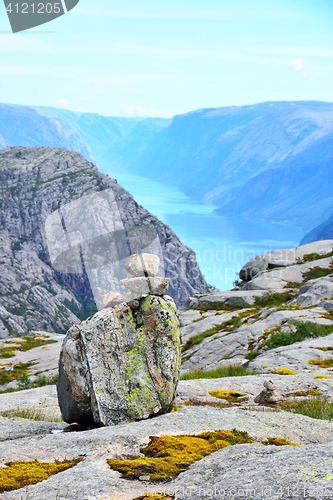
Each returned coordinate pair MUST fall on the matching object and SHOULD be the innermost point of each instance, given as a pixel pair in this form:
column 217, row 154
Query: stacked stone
column 144, row 268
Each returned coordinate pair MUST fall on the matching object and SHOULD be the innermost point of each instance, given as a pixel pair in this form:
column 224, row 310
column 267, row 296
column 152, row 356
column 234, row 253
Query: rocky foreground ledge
column 281, row 331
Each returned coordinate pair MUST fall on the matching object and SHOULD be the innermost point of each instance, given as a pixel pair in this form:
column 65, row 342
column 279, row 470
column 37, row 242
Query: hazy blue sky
column 159, row 58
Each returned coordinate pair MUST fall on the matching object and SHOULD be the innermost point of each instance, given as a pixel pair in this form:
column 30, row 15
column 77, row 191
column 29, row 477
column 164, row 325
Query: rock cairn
column 144, row 268
column 270, row 395
column 123, row 364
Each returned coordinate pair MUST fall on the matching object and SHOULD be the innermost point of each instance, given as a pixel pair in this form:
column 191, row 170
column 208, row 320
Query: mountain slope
column 223, row 155
column 322, row 232
column 270, row 160
column 109, row 141
column 35, row 182
column 23, row 126
column 298, row 194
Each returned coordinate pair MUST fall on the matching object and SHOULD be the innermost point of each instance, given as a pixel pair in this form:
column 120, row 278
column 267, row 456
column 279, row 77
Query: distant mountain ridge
column 105, row 140
column 270, row 160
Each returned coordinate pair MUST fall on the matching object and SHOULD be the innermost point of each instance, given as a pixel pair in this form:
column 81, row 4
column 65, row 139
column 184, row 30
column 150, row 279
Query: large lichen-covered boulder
column 122, row 364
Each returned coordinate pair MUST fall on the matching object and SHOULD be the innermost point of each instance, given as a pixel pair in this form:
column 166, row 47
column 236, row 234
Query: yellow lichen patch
column 279, row 442
column 264, row 366
column 167, row 456
column 15, row 372
column 231, row 396
column 322, row 363
column 19, row 474
column 285, row 371
column 154, row 496
column 328, row 348
column 322, row 376
column 6, row 352
column 309, row 392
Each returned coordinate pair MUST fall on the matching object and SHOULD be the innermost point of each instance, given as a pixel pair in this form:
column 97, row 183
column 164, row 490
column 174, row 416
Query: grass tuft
column 30, row 414
column 24, row 382
column 270, row 300
column 221, row 372
column 316, row 272
column 227, row 326
column 280, row 338
column 316, row 407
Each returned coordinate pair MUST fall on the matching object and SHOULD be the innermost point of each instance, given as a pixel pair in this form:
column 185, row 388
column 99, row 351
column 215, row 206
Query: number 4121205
column 35, row 8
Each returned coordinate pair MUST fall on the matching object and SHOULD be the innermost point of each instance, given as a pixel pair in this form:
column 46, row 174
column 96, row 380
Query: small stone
column 112, row 299
column 143, row 264
column 152, row 286
column 144, row 478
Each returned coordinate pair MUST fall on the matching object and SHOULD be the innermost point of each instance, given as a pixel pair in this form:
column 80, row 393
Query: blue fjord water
column 222, row 244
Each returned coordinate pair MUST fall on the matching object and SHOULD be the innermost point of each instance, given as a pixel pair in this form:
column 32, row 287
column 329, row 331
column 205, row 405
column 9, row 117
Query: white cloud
column 297, row 65
column 144, row 112
column 63, row 103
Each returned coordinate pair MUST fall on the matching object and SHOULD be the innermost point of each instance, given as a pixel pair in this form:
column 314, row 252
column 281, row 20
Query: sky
column 161, row 58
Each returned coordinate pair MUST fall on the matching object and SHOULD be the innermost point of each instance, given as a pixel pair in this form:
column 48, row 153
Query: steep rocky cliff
column 36, row 182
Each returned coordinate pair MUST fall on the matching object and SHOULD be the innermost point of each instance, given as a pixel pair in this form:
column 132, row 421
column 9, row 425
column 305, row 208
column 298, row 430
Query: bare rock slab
column 121, row 365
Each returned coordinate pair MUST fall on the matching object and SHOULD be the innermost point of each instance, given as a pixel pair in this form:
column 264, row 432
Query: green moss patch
column 227, row 326
column 231, row 396
column 315, row 407
column 19, row 474
column 221, row 372
column 278, row 338
column 270, row 300
column 322, row 363
column 316, row 272
column 167, row 456
column 310, row 257
column 279, row 442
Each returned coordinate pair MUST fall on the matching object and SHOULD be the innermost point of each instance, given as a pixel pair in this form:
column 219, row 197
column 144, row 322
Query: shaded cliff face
column 38, row 182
